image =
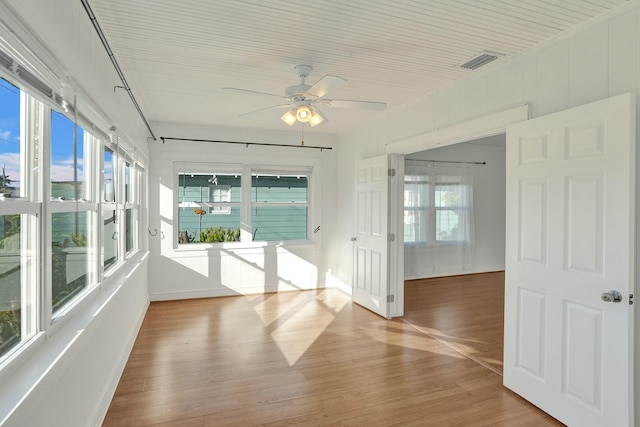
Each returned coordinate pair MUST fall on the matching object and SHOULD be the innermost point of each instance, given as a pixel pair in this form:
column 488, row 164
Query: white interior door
column 570, row 239
column 371, row 280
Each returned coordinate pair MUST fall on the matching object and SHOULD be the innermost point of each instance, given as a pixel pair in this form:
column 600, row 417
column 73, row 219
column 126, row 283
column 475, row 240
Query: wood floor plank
column 313, row 358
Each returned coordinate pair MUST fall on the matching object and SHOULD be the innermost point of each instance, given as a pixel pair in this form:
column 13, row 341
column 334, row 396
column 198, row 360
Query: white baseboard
column 226, row 292
column 114, row 379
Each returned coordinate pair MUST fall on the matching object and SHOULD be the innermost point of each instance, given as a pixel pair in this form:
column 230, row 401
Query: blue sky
column 61, row 139
column 10, row 130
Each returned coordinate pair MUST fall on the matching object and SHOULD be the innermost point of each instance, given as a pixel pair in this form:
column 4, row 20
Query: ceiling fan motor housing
column 297, row 90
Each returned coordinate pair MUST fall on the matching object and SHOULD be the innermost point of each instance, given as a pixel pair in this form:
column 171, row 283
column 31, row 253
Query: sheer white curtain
column 438, row 218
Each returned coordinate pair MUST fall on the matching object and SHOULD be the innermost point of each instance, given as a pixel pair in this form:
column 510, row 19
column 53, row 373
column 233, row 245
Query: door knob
column 611, row 296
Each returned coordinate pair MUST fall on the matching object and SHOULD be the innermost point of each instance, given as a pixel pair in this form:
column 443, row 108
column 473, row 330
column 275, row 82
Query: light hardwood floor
column 313, row 358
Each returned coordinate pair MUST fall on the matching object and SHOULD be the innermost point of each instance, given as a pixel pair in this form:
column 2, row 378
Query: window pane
column 110, row 238
column 410, row 223
column 279, row 222
column 108, row 192
column 127, row 183
column 278, row 189
column 447, row 229
column 129, row 229
column 67, row 158
column 448, row 195
column 70, row 255
column 196, row 225
column 17, row 279
column 207, row 207
column 199, row 188
column 9, row 139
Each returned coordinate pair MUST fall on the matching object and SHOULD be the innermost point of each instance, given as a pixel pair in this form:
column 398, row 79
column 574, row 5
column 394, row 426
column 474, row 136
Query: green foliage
column 219, row 234
column 9, row 325
column 79, row 239
column 449, row 198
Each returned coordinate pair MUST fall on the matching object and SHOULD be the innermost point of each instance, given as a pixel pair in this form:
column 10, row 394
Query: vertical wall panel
column 530, row 83
column 623, row 62
column 532, row 330
column 552, row 81
column 582, row 355
column 442, row 108
column 492, row 92
column 455, row 104
column 473, row 97
column 588, row 65
column 510, row 84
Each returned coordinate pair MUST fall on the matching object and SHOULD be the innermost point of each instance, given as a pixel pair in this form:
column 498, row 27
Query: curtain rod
column 116, row 66
column 447, row 161
column 247, row 144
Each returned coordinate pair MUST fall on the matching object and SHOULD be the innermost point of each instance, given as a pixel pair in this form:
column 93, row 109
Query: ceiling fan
column 303, row 101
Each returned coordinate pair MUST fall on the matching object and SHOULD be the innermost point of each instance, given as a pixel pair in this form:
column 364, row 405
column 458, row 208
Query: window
column 72, row 219
column 436, row 206
column 272, row 204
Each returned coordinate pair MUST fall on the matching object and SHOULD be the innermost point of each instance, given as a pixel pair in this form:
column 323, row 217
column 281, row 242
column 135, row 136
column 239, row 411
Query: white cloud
column 11, row 163
column 5, row 135
column 62, row 170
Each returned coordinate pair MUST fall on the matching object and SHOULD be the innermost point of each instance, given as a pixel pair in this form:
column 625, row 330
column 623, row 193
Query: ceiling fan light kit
column 303, row 114
column 303, row 100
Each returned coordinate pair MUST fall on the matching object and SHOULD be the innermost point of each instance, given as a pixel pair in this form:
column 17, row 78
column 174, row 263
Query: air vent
column 480, row 60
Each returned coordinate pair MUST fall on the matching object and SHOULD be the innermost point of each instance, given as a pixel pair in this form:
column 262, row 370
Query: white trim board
column 481, row 127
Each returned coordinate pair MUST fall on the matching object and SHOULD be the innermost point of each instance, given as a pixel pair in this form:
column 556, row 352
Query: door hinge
column 392, row 237
column 391, row 298
column 630, row 299
column 391, row 172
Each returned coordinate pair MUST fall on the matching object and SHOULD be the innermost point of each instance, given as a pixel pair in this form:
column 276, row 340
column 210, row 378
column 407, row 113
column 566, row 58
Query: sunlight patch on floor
column 405, row 338
column 309, row 320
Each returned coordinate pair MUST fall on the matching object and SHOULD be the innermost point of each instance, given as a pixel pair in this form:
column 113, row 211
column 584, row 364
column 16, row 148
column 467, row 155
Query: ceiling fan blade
column 273, row 107
column 250, row 92
column 324, row 85
column 362, row 105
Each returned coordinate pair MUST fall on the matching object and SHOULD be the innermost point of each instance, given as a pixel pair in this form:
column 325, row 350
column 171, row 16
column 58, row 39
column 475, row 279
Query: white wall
column 199, row 270
column 67, row 376
column 489, row 209
column 70, row 379
column 597, row 60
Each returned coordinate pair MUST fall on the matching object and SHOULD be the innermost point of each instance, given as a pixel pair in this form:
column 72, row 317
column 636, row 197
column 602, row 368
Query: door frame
column 489, row 125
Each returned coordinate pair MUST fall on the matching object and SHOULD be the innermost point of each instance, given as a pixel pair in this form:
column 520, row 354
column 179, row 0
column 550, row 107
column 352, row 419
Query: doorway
column 456, row 295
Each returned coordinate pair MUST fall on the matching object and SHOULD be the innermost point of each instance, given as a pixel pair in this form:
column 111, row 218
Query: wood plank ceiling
column 178, row 55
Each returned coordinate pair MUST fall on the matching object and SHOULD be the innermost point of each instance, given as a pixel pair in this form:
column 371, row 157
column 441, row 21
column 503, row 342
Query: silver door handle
column 354, row 239
column 611, row 296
